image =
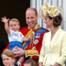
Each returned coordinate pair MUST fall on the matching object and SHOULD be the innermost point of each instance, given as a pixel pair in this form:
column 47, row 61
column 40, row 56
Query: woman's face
column 48, row 22
column 7, row 61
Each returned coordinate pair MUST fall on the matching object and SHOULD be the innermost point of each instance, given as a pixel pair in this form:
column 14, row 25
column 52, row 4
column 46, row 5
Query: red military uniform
column 38, row 36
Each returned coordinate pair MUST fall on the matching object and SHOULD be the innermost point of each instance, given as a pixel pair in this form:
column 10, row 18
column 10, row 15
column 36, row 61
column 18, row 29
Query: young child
column 8, row 58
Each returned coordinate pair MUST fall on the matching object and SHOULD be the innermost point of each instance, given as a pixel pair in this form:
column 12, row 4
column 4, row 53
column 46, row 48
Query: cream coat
column 53, row 51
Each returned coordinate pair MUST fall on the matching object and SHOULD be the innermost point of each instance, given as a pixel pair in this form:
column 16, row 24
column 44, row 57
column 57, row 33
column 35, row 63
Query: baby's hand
column 4, row 19
column 18, row 51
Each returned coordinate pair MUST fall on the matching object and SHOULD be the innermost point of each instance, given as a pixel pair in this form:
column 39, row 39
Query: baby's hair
column 14, row 20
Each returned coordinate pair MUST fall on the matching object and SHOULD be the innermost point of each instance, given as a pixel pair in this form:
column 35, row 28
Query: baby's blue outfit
column 15, row 39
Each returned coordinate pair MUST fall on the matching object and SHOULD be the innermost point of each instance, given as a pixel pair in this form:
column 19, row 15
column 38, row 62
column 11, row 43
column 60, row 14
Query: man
column 33, row 31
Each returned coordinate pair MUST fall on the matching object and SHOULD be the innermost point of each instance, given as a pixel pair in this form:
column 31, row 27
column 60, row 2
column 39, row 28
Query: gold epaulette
column 31, row 52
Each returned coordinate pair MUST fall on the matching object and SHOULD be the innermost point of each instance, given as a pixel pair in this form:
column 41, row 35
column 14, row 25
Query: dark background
column 14, row 8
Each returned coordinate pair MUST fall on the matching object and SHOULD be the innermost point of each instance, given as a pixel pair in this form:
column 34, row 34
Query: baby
column 12, row 28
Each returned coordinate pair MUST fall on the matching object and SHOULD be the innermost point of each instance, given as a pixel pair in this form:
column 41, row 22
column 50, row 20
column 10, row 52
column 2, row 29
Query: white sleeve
column 62, row 57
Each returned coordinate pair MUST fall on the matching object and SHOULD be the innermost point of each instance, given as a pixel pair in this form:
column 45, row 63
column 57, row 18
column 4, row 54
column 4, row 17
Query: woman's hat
column 50, row 10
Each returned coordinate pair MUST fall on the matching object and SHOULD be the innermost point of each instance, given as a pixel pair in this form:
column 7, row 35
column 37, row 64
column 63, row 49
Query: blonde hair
column 14, row 19
column 8, row 53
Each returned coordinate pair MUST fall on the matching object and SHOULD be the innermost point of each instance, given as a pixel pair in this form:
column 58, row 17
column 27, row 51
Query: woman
column 8, row 58
column 53, row 52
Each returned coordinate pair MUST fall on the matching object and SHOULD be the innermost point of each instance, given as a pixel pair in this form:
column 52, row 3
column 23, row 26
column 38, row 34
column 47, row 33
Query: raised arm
column 5, row 21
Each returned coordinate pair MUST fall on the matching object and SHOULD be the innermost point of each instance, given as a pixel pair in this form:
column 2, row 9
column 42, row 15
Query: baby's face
column 13, row 25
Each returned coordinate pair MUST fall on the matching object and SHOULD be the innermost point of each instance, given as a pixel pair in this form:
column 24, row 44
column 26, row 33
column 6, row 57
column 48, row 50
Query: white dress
column 53, row 51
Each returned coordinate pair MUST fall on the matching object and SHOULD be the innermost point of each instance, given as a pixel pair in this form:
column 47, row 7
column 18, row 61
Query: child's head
column 14, row 24
column 8, row 58
column 30, row 62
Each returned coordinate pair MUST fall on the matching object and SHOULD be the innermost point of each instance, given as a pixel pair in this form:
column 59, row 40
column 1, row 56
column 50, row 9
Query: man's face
column 31, row 18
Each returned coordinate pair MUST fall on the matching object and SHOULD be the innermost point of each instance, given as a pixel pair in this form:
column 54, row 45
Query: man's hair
column 34, row 9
